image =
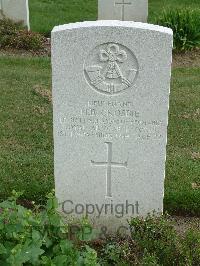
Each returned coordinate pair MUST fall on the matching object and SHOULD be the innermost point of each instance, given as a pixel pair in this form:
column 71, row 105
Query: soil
column 46, row 51
column 184, row 223
column 43, row 92
column 187, row 59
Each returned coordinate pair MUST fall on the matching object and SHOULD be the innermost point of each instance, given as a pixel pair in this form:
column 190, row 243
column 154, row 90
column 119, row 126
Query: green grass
column 26, row 145
column 157, row 6
column 26, row 128
column 183, row 142
column 45, row 14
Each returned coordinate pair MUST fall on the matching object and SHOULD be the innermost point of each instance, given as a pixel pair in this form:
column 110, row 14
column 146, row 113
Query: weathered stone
column 111, row 83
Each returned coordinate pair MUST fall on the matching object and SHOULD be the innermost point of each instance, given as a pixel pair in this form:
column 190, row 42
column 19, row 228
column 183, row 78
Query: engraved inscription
column 109, row 165
column 111, row 68
column 123, row 3
column 108, row 120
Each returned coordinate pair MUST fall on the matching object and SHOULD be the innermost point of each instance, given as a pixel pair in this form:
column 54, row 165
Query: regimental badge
column 111, row 68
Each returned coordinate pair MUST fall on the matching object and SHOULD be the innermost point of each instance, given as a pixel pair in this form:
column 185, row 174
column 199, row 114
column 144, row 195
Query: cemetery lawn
column 26, row 141
column 45, row 14
column 26, row 155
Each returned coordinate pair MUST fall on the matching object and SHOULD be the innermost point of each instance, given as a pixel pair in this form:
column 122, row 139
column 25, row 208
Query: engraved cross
column 123, row 3
column 109, row 165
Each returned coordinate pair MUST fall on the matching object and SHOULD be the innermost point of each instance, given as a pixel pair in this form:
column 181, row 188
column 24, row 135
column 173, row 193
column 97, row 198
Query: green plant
column 28, row 40
column 111, row 253
column 38, row 237
column 185, row 24
column 8, row 29
column 13, row 35
column 158, row 240
column 149, row 259
column 120, row 252
column 192, row 246
column 41, row 237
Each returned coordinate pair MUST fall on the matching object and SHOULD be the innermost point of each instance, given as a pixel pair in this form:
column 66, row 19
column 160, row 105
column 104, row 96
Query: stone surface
column 16, row 10
column 111, row 83
column 125, row 10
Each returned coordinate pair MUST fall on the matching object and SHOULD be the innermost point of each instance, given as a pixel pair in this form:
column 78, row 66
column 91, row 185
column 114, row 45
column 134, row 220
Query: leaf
column 90, row 257
column 2, row 249
column 1, row 224
column 36, row 236
column 18, row 256
column 49, row 204
column 54, row 219
column 33, row 251
column 60, row 260
column 66, row 246
column 6, row 205
column 52, row 204
column 3, row 263
column 47, row 241
column 46, row 261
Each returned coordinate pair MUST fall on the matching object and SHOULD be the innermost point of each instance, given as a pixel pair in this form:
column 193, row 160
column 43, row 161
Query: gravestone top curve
column 113, row 23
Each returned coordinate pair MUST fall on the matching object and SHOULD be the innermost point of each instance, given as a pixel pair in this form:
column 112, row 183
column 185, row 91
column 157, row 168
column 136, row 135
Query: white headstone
column 17, row 10
column 125, row 10
column 111, row 82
